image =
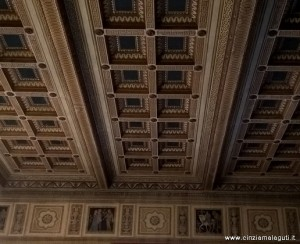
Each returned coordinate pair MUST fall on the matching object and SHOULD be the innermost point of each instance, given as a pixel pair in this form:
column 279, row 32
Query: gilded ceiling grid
column 264, row 149
column 37, row 144
column 154, row 112
column 162, row 64
column 148, row 100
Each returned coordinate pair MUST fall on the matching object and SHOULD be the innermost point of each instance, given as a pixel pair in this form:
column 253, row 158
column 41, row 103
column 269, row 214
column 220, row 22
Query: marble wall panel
column 155, row 220
column 18, row 219
column 234, row 221
column 127, row 220
column 75, row 219
column 47, row 219
column 263, row 222
column 207, row 221
column 182, row 215
column 101, row 220
column 291, row 217
column 4, row 217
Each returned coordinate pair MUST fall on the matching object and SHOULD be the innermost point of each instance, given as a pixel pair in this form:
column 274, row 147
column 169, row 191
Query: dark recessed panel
column 10, row 122
column 27, row 74
column 137, row 144
column 22, row 142
column 173, row 125
column 290, row 44
column 174, row 102
column 175, row 50
column 174, row 76
column 269, row 104
column 260, row 126
column 48, row 123
column 127, row 42
column 135, row 124
column 123, row 5
column 279, row 76
column 56, row 143
column 13, row 41
column 176, row 5
column 177, row 14
column 285, row 51
column 2, row 100
column 173, row 144
column 291, row 16
column 3, row 5
column 175, row 43
column 133, row 102
column 123, row 14
column 130, row 75
column 39, row 100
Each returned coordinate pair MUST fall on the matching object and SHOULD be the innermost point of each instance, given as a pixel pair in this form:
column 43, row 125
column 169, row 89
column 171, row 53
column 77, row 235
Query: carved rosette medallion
column 263, row 223
column 154, row 220
column 47, row 219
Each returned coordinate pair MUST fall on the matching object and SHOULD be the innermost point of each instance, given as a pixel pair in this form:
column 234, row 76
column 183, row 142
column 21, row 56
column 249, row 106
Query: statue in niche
column 127, row 220
column 3, row 215
column 19, row 220
column 109, row 220
column 182, row 221
column 74, row 226
column 292, row 221
column 234, row 217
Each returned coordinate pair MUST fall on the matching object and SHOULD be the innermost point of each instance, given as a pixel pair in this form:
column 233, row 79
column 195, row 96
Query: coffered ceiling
column 46, row 140
column 142, row 95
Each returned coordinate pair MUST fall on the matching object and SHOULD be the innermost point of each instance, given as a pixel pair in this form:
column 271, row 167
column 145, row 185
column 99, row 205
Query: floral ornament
column 47, row 219
column 263, row 223
column 155, row 220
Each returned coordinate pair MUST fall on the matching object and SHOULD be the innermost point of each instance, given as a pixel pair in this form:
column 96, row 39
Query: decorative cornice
column 280, row 188
column 216, row 83
column 86, row 66
column 156, row 186
column 89, row 194
column 50, row 184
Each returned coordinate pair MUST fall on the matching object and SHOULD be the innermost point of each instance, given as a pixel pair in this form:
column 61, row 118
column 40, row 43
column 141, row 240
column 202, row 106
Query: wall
column 105, row 220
